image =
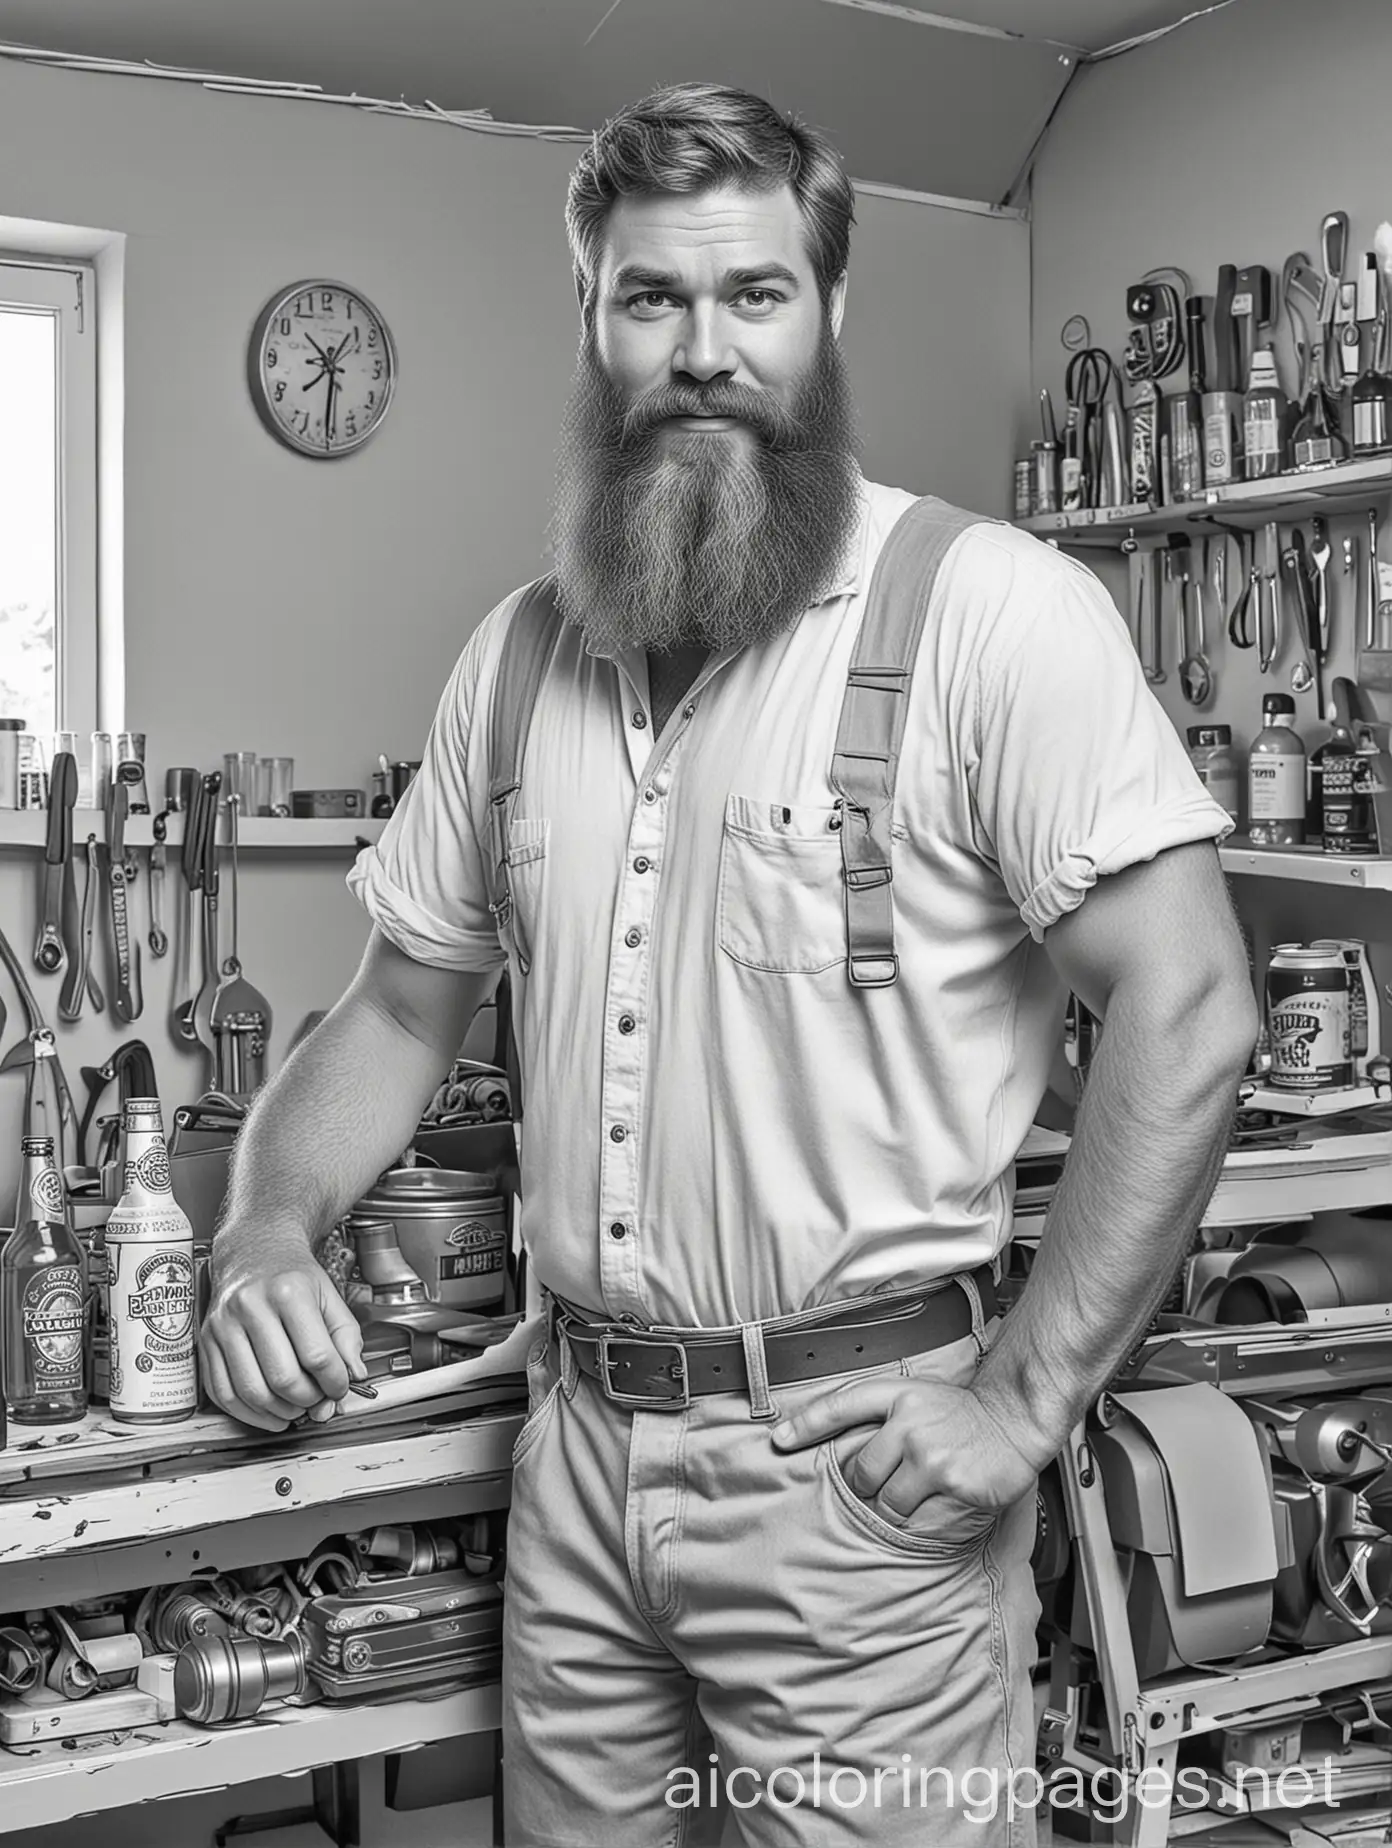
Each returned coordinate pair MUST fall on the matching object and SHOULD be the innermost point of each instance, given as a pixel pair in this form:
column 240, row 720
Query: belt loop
column 761, row 1404
column 570, row 1367
column 978, row 1319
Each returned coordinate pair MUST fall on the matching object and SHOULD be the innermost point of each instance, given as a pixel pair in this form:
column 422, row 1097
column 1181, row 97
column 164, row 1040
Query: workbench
column 99, row 1508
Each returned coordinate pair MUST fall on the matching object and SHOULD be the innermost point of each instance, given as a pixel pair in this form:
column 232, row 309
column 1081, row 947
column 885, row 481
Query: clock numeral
column 326, row 300
column 371, row 337
column 279, row 390
column 351, row 309
column 285, row 325
column 271, row 357
column 376, row 368
column 304, row 304
column 371, row 399
column 302, row 427
column 352, row 423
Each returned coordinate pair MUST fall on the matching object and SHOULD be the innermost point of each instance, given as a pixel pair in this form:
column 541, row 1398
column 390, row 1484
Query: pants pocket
column 543, row 1387
column 942, row 1528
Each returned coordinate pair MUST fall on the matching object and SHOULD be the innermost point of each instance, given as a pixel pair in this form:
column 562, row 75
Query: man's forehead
column 735, row 227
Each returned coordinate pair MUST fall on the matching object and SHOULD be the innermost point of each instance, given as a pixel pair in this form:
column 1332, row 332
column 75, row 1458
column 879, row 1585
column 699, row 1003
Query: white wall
column 1226, row 142
column 288, row 606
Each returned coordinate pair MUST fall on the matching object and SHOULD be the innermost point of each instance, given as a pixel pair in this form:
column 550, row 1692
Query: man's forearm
column 337, row 1113
column 1147, row 1150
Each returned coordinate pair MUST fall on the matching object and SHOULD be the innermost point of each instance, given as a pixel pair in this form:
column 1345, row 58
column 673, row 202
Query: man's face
column 708, row 483
column 712, row 289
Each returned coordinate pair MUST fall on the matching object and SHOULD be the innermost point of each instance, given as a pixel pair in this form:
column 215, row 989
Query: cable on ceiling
column 1160, row 32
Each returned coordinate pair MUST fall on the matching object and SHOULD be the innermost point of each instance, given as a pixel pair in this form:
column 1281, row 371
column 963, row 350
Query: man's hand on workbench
column 278, row 1343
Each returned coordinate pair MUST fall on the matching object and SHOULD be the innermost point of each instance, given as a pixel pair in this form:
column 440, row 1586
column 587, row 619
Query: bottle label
column 1218, row 445
column 52, row 1324
column 150, row 1170
column 1276, row 787
column 1262, row 429
column 46, row 1192
column 152, row 1317
column 1310, row 1041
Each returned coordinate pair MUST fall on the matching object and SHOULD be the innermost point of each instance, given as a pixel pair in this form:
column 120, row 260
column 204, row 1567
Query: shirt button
column 633, row 938
column 640, row 719
column 650, row 794
column 689, row 712
column 626, row 1023
column 641, row 864
column 618, row 1229
column 617, row 1133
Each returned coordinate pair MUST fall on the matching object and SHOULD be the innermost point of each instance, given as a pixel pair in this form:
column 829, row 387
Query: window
column 48, row 437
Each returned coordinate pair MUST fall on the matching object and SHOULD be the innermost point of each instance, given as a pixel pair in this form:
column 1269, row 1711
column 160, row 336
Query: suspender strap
column 873, row 714
column 528, row 645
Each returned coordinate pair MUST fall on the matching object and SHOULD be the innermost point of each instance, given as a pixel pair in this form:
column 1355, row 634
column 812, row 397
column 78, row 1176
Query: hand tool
column 1218, row 574
column 1333, row 254
column 1087, row 381
column 1296, row 567
column 126, row 1000
column 39, row 1054
column 191, row 864
column 50, row 950
column 1222, row 407
column 1269, row 601
column 240, row 1017
column 1248, row 602
column 200, row 1016
column 1195, row 676
column 1372, row 631
column 81, row 982
column 1252, row 314
column 1320, row 554
column 158, row 938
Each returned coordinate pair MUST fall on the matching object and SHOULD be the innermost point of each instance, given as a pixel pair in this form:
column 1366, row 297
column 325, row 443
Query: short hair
column 691, row 137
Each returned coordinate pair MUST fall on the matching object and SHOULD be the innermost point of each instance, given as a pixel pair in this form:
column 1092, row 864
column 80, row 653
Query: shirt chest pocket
column 779, row 902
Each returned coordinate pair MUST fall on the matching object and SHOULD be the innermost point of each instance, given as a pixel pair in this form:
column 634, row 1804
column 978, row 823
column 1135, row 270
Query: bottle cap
column 1278, row 702
column 36, row 1145
column 1208, row 736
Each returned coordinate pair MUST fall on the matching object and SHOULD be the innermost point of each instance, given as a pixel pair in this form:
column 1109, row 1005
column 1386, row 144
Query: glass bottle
column 43, row 1298
column 1276, row 777
column 1265, row 412
column 151, row 1284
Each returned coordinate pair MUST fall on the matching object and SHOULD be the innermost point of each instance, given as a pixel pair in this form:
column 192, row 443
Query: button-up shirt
column 719, row 1126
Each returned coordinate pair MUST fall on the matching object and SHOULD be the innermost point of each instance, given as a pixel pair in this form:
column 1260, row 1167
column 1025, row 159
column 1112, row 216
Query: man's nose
column 704, row 353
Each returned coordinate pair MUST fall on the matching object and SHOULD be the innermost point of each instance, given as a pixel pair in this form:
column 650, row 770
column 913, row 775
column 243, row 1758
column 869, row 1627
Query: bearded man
column 772, row 1507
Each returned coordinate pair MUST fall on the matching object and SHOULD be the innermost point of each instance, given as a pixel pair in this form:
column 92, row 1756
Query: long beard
column 665, row 538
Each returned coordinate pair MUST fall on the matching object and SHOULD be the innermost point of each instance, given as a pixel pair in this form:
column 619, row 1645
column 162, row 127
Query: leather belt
column 648, row 1370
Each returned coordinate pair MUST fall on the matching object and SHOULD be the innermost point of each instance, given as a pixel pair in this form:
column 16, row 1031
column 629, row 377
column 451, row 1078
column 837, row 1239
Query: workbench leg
column 338, row 1803
column 1148, row 1824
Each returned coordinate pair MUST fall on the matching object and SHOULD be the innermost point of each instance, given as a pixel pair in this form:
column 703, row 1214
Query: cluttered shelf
column 28, row 827
column 46, row 1784
column 1357, row 872
column 1344, row 488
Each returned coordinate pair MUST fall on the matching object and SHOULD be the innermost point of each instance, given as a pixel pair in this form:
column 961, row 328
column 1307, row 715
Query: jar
column 1218, row 765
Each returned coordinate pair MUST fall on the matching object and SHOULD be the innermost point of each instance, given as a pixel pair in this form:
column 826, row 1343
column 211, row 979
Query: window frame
column 66, row 290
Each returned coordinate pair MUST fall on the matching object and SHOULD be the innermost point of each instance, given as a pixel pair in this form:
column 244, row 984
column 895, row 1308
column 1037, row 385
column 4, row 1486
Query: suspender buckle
column 865, row 878
column 867, row 971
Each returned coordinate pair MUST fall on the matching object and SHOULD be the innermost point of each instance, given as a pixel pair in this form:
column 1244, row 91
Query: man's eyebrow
column 640, row 276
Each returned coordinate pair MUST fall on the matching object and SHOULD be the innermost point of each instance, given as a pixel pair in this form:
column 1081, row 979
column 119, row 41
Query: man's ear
column 836, row 304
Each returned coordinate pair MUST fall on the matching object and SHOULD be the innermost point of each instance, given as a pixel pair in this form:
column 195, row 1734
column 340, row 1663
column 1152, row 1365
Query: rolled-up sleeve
column 425, row 882
column 1079, row 770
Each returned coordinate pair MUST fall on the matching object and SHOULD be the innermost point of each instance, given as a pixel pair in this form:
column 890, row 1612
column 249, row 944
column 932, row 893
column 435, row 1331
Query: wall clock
column 321, row 367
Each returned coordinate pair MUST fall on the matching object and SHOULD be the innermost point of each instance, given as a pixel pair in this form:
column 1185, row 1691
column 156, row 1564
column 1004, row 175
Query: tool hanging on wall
column 158, row 938
column 1333, row 255
column 1195, row 673
column 240, row 1017
column 1246, row 610
column 200, row 1014
column 184, row 992
column 1317, row 438
column 126, row 999
column 1269, row 636
column 1372, row 393
column 132, row 1066
column 50, row 946
column 48, row 1104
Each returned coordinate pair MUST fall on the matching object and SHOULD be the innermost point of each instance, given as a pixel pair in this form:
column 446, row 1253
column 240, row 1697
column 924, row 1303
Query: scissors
column 1087, row 381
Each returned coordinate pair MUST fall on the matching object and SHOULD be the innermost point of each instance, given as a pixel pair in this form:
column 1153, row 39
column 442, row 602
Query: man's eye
column 649, row 299
column 760, row 299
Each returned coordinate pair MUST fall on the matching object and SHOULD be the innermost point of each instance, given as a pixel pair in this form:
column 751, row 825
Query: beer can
column 1024, row 488
column 1307, row 1010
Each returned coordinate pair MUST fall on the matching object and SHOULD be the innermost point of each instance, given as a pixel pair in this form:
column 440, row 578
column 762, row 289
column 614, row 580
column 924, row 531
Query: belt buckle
column 676, row 1400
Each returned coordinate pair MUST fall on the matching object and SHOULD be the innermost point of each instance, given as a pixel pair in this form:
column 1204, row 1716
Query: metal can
column 1046, row 480
column 1307, row 1010
column 1024, row 488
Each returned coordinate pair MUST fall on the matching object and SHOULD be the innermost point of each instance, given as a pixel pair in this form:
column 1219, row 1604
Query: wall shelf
column 255, row 833
column 1343, row 489
column 1355, row 872
column 57, row 1782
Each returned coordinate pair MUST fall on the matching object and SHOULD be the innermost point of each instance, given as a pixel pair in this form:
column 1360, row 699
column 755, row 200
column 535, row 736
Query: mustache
column 772, row 422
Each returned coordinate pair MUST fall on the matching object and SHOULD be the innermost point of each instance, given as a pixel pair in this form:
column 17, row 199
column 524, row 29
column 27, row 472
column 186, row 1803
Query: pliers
column 1248, row 601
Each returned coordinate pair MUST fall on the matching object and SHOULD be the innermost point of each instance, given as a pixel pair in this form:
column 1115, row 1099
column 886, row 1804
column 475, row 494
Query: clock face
column 321, row 368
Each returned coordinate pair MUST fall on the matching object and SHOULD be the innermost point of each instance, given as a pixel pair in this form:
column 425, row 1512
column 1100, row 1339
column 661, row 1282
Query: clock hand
column 318, row 349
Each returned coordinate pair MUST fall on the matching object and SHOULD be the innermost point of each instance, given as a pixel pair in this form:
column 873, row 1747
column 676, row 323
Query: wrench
column 158, row 938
